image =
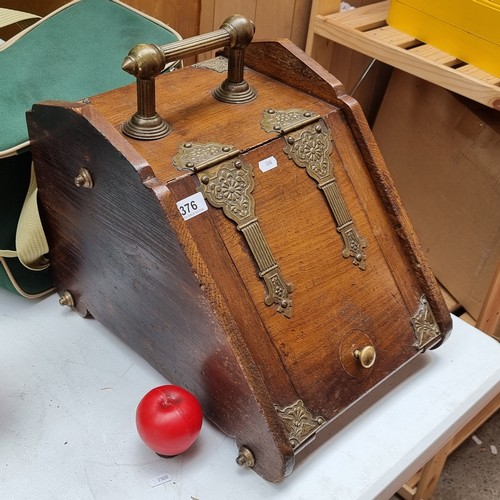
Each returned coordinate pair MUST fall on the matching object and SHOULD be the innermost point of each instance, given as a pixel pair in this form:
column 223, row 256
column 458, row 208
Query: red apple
column 169, row 419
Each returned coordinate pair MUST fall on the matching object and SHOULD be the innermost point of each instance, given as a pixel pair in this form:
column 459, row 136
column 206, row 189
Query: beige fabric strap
column 9, row 16
column 31, row 244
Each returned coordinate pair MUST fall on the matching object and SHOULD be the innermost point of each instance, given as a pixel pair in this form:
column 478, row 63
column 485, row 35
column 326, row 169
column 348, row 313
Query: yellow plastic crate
column 466, row 29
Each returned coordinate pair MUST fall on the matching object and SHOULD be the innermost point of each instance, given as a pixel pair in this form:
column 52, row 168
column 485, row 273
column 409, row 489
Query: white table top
column 69, row 389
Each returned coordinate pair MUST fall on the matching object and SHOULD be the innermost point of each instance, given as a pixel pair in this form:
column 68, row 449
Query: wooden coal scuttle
column 241, row 232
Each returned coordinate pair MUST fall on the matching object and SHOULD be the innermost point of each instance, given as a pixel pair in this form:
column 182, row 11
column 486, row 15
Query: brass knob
column 245, row 457
column 366, row 356
column 66, row 299
column 84, row 179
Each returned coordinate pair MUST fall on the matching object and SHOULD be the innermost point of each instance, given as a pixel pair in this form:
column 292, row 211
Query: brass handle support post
column 147, row 61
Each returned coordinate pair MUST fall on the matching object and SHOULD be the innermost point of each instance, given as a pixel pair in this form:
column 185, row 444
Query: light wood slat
column 432, row 54
column 470, row 70
column 363, row 29
column 390, row 36
column 363, row 18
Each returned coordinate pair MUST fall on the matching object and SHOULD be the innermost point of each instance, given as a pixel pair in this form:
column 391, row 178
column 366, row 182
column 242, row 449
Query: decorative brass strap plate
column 424, row 325
column 195, row 157
column 299, row 423
column 286, row 121
column 308, row 143
column 228, row 185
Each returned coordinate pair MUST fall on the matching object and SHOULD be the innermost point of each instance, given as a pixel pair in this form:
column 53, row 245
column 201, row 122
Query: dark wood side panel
column 114, row 249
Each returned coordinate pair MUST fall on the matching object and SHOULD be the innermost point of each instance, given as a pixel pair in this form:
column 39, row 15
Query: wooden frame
column 366, row 31
column 273, row 18
column 365, row 78
column 489, row 317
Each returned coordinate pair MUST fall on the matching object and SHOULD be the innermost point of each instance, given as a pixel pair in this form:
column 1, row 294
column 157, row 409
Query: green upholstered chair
column 74, row 53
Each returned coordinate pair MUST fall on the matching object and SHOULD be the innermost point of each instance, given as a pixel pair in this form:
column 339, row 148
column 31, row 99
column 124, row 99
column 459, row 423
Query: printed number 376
column 191, row 206
column 187, row 208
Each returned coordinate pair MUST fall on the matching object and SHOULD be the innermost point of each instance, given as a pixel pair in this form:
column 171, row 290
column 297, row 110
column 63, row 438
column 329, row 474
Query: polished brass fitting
column 66, row 299
column 84, row 179
column 366, row 356
column 147, row 61
column 245, row 457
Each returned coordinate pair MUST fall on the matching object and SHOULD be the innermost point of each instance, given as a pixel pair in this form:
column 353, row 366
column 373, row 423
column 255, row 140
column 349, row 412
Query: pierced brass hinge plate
column 195, row 157
column 284, row 121
column 226, row 182
column 308, row 143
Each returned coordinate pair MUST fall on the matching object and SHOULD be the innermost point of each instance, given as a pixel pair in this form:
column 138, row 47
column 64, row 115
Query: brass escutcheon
column 366, row 356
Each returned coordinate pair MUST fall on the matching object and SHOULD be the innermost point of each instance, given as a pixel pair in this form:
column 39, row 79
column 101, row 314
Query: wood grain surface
column 187, row 294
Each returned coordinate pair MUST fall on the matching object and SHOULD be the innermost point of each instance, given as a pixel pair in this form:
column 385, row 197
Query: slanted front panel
column 300, row 287
column 337, row 305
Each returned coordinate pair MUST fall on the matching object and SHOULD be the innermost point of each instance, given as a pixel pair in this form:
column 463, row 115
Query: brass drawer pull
column 366, row 356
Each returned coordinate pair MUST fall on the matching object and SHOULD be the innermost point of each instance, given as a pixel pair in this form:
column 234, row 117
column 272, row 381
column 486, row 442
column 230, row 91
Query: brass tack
column 66, row 299
column 84, row 179
column 245, row 457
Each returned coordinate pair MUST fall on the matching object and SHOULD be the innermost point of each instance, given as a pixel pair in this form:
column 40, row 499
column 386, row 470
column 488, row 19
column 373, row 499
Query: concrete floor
column 472, row 471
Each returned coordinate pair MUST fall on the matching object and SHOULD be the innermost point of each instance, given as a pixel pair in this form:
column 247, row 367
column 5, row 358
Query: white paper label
column 268, row 164
column 476, row 439
column 192, row 205
column 156, row 481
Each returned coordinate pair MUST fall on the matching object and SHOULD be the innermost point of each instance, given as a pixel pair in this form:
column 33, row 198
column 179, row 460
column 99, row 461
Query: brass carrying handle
column 147, row 61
